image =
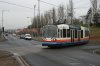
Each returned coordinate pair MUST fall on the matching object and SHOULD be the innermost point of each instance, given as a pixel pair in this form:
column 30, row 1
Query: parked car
column 28, row 37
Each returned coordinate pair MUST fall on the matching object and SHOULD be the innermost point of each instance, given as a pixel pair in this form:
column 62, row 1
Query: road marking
column 74, row 59
column 20, row 60
column 74, row 63
column 34, row 43
column 92, row 65
column 94, row 51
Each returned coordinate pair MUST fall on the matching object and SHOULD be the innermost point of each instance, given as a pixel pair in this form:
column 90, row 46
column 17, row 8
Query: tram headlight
column 53, row 38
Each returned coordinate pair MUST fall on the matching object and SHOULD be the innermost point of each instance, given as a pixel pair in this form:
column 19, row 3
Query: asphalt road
column 36, row 55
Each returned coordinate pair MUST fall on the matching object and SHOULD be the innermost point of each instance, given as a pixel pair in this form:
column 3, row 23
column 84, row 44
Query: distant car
column 27, row 37
column 6, row 34
column 22, row 36
column 14, row 34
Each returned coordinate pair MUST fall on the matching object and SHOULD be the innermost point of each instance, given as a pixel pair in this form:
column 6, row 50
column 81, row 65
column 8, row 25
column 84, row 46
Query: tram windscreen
column 49, row 31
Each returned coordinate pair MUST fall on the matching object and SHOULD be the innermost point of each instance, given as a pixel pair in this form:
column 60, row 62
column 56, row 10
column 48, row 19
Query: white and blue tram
column 64, row 35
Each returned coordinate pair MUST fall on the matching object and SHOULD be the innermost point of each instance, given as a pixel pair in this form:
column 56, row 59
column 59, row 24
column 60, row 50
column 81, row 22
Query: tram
column 64, row 35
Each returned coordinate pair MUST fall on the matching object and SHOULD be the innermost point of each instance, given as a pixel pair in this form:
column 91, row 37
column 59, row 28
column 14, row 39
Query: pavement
column 2, row 38
column 37, row 55
column 7, row 59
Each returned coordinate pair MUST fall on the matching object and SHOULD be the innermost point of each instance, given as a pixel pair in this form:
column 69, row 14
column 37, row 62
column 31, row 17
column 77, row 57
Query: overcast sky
column 16, row 17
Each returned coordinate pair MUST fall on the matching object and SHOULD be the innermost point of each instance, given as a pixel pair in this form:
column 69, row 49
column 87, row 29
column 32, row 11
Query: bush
column 98, row 25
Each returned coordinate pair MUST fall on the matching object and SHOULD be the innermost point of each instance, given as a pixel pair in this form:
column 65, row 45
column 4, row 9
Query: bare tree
column 48, row 17
column 54, row 15
column 61, row 12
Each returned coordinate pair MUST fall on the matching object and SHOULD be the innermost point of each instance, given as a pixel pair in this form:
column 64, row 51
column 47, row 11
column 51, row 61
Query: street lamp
column 3, row 19
column 30, row 26
column 29, row 21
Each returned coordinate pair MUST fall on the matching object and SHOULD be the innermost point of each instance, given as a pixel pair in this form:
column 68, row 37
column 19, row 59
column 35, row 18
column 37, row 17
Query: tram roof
column 63, row 26
column 75, row 27
column 66, row 26
column 84, row 28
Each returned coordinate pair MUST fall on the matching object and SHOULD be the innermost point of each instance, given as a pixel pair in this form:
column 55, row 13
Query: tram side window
column 75, row 33
column 64, row 33
column 68, row 32
column 86, row 33
column 81, row 33
column 59, row 33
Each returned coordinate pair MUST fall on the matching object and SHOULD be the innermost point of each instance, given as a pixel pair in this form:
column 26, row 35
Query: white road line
column 94, row 51
column 74, row 63
column 92, row 65
column 21, row 61
column 72, row 59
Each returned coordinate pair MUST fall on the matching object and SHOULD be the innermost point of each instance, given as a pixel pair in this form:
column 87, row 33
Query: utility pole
column 34, row 12
column 38, row 15
column 71, row 11
column 39, row 11
column 3, row 20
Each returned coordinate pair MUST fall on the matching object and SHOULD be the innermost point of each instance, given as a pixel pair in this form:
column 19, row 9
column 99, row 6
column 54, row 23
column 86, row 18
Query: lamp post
column 29, row 21
column 30, row 26
column 3, row 20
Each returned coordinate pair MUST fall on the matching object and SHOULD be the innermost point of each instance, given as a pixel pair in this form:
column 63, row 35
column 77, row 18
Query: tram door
column 79, row 35
column 72, row 35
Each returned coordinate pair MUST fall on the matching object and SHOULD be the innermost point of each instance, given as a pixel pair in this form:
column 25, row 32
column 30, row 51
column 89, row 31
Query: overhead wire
column 16, row 4
column 37, row 9
column 58, row 6
column 48, row 3
column 19, row 5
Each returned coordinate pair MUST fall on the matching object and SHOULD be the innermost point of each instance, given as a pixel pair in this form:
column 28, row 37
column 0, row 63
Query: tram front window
column 50, row 31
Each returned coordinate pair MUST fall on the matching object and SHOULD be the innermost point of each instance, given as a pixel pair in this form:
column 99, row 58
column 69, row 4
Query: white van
column 28, row 37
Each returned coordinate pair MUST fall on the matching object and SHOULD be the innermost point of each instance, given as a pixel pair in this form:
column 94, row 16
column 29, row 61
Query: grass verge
column 98, row 52
column 37, row 38
column 95, row 31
